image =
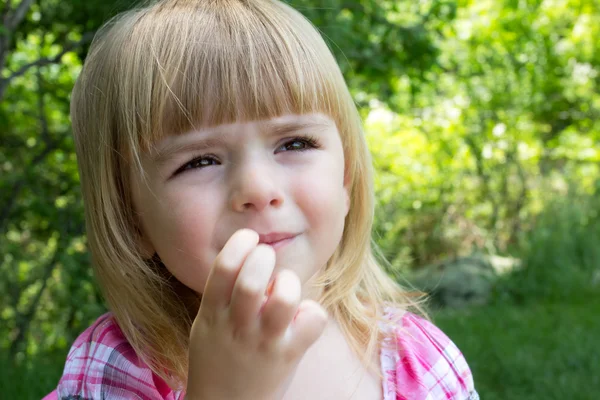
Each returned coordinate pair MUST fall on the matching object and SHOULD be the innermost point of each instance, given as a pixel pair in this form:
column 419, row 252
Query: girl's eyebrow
column 165, row 153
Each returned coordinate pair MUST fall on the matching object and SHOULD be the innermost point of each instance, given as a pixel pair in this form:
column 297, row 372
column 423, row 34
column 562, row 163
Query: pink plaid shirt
column 418, row 361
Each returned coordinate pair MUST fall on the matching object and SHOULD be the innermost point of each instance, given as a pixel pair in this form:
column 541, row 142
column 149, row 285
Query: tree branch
column 42, row 109
column 16, row 18
column 15, row 191
column 5, row 11
column 520, row 203
column 44, row 61
column 24, row 320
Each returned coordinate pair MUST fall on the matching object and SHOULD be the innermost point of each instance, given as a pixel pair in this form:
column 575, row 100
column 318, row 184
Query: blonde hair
column 173, row 66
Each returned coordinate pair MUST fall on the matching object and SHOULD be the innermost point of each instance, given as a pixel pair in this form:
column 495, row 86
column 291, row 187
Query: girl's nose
column 254, row 187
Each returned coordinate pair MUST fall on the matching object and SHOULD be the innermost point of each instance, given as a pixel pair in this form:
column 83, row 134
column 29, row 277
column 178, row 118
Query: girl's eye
column 299, row 144
column 198, row 163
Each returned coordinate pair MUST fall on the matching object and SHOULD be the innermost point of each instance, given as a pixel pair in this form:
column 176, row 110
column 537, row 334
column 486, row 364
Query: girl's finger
column 250, row 286
column 282, row 304
column 221, row 279
column 308, row 325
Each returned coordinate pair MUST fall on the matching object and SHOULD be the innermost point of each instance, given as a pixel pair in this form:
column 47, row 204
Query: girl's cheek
column 318, row 194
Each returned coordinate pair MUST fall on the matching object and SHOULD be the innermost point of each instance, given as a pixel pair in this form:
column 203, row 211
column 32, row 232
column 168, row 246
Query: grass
column 32, row 379
column 539, row 338
column 545, row 350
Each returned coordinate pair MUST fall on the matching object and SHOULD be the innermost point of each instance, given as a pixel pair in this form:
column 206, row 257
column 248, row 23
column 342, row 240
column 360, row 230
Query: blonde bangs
column 196, row 64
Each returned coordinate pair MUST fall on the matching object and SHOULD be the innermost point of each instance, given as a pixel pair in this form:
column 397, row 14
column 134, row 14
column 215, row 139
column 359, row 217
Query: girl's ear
column 347, row 203
column 347, row 190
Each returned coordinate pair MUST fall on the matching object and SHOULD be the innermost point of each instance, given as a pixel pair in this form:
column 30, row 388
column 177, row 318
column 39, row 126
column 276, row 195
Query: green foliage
column 377, row 41
column 47, row 292
column 507, row 120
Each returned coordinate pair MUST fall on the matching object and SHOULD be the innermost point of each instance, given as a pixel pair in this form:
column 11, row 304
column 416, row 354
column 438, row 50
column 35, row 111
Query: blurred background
column 483, row 120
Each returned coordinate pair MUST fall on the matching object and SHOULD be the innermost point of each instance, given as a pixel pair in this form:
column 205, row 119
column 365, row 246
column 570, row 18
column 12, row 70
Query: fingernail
column 270, row 287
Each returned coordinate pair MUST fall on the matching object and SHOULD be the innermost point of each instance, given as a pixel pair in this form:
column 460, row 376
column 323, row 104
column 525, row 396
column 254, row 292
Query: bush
column 560, row 254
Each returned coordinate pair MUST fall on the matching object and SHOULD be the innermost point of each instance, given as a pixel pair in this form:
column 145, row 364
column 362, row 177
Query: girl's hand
column 247, row 339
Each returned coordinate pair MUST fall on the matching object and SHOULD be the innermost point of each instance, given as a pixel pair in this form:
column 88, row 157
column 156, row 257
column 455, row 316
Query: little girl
column 229, row 207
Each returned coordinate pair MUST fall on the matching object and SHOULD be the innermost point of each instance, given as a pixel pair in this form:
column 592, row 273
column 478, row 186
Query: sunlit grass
column 544, row 350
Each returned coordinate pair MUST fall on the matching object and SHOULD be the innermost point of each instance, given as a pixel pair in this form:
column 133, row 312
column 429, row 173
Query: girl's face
column 283, row 178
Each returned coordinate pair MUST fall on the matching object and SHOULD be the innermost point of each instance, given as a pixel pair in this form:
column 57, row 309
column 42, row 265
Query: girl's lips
column 279, row 243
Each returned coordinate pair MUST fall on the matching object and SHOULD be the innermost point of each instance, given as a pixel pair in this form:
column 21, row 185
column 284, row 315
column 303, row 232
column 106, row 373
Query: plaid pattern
column 418, row 361
column 421, row 363
column 102, row 365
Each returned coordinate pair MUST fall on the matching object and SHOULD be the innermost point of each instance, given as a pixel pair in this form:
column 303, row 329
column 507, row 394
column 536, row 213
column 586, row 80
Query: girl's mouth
column 277, row 239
